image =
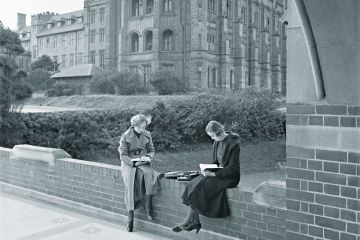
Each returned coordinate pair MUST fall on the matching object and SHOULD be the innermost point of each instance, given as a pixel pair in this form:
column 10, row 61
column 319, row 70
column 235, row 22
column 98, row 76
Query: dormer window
column 79, row 19
column 59, row 24
column 49, row 25
column 68, row 22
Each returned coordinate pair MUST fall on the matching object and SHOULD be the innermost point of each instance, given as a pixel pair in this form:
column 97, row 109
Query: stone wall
column 100, row 186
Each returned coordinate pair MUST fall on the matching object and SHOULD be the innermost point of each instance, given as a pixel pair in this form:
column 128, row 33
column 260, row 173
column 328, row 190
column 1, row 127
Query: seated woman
column 140, row 180
column 206, row 194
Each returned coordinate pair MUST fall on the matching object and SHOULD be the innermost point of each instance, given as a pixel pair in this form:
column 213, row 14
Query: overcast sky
column 9, row 9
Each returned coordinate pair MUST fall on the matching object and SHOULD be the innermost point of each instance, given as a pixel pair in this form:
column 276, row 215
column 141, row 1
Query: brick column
column 323, row 171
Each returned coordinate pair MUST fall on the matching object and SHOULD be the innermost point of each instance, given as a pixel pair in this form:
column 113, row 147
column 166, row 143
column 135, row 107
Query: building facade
column 208, row 43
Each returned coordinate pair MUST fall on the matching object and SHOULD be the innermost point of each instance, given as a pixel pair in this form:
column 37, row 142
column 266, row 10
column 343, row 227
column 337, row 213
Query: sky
column 9, row 10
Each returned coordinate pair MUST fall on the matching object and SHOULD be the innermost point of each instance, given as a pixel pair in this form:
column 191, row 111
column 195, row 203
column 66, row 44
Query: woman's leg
column 148, row 207
column 189, row 218
column 130, row 224
column 195, row 221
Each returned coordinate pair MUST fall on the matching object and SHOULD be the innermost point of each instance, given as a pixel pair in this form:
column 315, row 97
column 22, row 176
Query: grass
column 261, row 157
column 141, row 102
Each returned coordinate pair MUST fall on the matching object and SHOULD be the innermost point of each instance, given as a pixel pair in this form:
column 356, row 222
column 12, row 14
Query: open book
column 209, row 167
column 140, row 160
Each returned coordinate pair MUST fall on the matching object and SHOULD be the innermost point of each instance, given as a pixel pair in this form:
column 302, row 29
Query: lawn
column 261, row 157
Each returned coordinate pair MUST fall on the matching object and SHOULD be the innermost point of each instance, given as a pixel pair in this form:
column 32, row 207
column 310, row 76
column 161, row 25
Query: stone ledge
column 271, row 194
column 43, row 154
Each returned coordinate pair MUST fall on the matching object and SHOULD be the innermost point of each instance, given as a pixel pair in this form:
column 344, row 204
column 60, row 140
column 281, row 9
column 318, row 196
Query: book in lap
column 140, row 160
column 209, row 167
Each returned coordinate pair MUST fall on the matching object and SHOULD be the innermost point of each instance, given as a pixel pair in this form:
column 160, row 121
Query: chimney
column 21, row 21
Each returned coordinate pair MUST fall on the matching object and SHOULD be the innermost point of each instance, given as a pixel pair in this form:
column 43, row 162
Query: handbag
column 181, row 176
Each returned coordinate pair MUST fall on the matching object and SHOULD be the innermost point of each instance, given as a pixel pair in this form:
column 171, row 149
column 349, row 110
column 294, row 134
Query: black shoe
column 149, row 215
column 130, row 226
column 193, row 226
column 179, row 228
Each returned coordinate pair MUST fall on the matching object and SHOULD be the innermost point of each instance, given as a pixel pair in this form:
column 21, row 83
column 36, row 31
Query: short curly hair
column 215, row 127
column 138, row 119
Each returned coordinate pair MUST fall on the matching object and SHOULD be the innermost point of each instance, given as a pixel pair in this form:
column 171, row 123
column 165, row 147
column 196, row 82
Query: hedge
column 253, row 115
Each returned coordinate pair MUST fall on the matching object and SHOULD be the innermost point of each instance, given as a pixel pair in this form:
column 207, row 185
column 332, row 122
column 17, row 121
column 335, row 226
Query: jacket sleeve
column 124, row 151
column 150, row 150
column 232, row 169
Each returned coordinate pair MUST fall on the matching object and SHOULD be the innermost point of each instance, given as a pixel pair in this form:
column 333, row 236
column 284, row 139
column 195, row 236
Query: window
column 102, row 35
column 63, row 61
column 72, row 39
column 55, row 59
column 168, row 40
column 135, row 8
column 92, row 36
column 134, row 69
column 55, row 42
column 149, row 6
column 199, row 41
column 41, row 43
column 147, row 72
column 71, row 60
column 92, row 57
column 168, row 5
column 49, row 25
column 102, row 58
column 211, row 42
column 59, row 24
column 134, row 42
column 229, row 8
column 79, row 19
column 34, row 52
column 208, row 76
column 102, row 14
column 92, row 16
column 47, row 42
column 167, row 66
column 79, row 58
column 148, row 41
column 214, row 77
column 64, row 40
column 211, row 5
column 69, row 22
column 231, row 79
column 79, row 38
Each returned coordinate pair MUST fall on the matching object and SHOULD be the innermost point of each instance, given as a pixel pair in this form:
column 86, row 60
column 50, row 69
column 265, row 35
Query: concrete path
column 28, row 219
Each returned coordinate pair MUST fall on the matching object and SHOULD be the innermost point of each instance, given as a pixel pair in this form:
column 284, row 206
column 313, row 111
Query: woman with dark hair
column 206, row 194
column 141, row 181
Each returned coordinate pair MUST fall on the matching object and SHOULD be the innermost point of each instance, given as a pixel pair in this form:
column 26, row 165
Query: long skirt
column 208, row 196
column 138, row 181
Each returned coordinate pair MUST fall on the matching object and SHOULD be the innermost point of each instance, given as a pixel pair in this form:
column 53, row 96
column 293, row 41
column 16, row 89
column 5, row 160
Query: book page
column 208, row 167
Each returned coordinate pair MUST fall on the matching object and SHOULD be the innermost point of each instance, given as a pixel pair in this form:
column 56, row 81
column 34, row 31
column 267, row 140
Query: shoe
column 130, row 224
column 179, row 228
column 193, row 226
column 161, row 175
column 149, row 215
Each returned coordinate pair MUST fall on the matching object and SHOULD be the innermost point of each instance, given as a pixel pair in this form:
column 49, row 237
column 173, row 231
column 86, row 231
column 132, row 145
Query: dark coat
column 208, row 194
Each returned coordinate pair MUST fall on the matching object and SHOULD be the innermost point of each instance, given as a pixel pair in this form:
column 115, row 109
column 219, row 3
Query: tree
column 13, row 90
column 40, row 79
column 45, row 62
column 127, row 83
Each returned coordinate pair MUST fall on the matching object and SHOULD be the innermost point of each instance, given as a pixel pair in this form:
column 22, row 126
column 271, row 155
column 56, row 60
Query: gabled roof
column 83, row 70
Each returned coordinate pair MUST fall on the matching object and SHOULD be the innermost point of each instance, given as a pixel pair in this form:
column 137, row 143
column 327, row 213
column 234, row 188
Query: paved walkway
column 27, row 219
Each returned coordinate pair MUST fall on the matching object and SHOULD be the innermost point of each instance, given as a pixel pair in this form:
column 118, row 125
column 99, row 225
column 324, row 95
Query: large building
column 208, row 43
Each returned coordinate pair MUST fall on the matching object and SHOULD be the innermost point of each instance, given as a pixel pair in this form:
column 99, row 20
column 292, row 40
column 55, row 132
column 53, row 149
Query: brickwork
column 323, row 178
column 101, row 186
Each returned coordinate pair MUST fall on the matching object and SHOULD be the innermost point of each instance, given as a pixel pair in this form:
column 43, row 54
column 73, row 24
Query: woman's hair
column 215, row 127
column 138, row 119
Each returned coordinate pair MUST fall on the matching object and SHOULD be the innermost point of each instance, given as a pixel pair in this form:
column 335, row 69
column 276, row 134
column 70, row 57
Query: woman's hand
column 138, row 163
column 145, row 159
column 208, row 174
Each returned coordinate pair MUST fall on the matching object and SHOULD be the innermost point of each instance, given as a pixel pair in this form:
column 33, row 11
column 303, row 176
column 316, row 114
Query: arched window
column 168, row 38
column 134, row 42
column 211, row 5
column 135, row 8
column 148, row 40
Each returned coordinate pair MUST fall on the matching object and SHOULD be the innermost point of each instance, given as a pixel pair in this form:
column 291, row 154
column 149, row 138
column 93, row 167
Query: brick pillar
column 323, row 171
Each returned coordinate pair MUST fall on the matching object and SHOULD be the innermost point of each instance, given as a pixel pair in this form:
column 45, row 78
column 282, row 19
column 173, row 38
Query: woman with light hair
column 206, row 194
column 141, row 181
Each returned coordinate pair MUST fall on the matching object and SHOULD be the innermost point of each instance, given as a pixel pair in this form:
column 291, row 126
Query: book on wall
column 209, row 167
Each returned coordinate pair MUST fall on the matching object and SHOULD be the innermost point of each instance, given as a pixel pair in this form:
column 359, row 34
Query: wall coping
column 43, row 154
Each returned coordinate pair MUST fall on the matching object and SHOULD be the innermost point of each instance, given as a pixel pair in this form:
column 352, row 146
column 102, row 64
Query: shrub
column 166, row 83
column 127, row 83
column 51, row 92
column 101, row 84
column 66, row 89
